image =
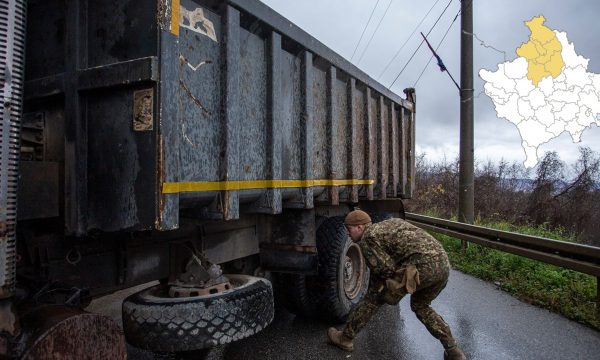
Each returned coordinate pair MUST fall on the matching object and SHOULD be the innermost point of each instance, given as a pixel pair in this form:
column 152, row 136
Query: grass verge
column 566, row 292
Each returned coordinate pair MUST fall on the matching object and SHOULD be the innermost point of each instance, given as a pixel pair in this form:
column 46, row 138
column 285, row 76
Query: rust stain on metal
column 180, row 291
column 194, row 99
column 65, row 333
column 161, row 14
column 334, row 198
column 143, row 105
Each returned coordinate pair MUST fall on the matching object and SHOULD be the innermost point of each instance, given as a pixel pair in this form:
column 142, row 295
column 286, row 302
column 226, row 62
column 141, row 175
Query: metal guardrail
column 581, row 258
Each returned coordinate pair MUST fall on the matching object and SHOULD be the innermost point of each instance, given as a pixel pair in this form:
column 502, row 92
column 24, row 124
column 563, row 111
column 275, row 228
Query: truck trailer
column 211, row 145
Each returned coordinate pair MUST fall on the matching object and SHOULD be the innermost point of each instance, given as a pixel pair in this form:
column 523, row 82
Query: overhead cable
column 420, row 44
column 363, row 32
column 372, row 36
column 407, row 39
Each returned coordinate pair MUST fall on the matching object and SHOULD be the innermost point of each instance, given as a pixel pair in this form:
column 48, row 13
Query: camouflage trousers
column 433, row 278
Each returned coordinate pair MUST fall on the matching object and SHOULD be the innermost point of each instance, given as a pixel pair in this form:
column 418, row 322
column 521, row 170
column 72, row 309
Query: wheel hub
column 353, row 271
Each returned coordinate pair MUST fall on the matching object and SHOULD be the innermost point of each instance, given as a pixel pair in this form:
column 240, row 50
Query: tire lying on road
column 154, row 321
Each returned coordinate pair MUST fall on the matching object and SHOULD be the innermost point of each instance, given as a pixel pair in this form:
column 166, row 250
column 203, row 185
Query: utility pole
column 466, row 163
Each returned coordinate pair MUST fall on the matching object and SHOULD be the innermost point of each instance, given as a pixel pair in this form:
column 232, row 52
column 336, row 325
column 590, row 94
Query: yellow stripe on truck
column 198, row 186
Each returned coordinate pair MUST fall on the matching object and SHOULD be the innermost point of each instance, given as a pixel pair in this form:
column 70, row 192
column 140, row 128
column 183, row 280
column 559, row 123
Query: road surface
column 488, row 324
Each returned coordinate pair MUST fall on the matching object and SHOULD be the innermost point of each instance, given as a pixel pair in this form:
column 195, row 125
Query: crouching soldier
column 403, row 259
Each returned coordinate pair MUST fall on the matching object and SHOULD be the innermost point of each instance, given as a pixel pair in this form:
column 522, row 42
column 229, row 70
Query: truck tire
column 292, row 292
column 156, row 322
column 343, row 276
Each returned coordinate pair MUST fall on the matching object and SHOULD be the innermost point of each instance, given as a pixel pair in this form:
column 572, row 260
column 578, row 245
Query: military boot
column 337, row 338
column 454, row 354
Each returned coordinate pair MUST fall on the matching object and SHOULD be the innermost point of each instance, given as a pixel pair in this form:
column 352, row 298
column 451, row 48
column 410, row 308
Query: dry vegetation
column 554, row 195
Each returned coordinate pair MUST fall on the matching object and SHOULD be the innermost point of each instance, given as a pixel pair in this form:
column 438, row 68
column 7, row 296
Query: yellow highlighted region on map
column 542, row 51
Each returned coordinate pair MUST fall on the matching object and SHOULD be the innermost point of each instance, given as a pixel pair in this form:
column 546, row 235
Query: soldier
column 403, row 259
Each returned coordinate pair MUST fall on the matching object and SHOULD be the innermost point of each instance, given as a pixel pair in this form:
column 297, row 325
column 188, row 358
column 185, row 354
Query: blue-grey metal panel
column 332, row 194
column 271, row 201
column 200, row 68
column 341, row 129
column 360, row 137
column 321, row 143
column 371, row 138
column 291, row 107
column 253, row 107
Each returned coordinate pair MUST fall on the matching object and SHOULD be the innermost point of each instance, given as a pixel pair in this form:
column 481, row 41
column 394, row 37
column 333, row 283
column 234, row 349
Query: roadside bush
column 555, row 197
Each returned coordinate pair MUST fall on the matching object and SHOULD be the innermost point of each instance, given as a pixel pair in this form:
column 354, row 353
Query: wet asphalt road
column 487, row 323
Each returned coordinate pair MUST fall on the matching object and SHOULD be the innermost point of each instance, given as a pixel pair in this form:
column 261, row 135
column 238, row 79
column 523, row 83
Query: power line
column 363, row 32
column 436, row 49
column 372, row 36
column 421, row 44
column 408, row 39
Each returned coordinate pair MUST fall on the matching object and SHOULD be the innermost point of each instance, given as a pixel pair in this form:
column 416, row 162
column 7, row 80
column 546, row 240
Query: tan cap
column 357, row 217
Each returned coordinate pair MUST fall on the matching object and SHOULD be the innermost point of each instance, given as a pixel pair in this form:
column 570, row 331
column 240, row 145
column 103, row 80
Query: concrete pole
column 465, row 182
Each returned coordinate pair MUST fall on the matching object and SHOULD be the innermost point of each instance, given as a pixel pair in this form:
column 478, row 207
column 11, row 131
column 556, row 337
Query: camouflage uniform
column 390, row 246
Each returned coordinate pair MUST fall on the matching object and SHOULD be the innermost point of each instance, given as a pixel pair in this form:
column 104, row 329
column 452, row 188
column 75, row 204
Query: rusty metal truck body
column 150, row 128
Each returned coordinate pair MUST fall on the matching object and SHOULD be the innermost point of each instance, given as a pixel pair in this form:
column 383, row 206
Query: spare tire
column 154, row 321
column 343, row 276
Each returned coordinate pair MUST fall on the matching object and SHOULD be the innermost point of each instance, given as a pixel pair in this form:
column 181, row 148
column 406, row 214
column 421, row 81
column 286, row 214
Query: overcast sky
column 339, row 24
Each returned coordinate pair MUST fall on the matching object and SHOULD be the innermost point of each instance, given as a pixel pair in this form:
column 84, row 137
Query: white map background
column 568, row 103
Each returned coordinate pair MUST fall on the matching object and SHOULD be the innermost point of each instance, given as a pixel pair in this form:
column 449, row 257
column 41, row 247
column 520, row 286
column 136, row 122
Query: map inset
column 546, row 90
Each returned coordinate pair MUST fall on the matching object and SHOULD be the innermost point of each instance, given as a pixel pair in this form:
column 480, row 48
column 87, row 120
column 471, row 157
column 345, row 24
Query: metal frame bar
column 231, row 112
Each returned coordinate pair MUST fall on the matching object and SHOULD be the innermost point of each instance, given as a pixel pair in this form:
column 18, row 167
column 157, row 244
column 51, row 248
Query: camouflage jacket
column 391, row 243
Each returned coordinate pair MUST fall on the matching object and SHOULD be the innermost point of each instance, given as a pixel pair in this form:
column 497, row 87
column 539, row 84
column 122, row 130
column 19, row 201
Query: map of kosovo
column 546, row 90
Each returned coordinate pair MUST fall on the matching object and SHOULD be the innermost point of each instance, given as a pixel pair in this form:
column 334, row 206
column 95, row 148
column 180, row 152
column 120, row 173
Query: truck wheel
column 154, row 321
column 291, row 291
column 343, row 276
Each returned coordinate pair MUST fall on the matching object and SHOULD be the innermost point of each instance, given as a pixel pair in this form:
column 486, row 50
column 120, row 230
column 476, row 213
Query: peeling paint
column 184, row 60
column 185, row 136
column 196, row 22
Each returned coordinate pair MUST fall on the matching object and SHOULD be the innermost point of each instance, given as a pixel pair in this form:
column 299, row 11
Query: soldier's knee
column 417, row 307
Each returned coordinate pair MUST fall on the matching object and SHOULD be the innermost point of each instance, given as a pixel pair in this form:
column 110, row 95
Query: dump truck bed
column 222, row 106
